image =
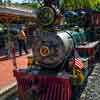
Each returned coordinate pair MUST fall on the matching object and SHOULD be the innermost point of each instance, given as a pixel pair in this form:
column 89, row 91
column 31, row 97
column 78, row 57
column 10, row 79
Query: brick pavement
column 6, row 70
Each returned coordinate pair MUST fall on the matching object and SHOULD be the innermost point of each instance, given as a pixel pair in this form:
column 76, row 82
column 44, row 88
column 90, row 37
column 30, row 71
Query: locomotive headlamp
column 44, row 51
column 46, row 16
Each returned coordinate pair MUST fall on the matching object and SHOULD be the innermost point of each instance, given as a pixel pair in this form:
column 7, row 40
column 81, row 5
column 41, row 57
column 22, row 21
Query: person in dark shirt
column 22, row 42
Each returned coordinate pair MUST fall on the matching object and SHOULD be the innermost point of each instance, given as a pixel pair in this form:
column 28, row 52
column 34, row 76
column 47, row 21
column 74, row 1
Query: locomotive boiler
column 50, row 49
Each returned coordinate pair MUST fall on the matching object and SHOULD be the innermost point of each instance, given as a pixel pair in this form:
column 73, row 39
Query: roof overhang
column 17, row 12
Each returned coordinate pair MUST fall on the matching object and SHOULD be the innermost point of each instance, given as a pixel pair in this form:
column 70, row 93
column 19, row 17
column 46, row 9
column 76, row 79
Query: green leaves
column 76, row 4
column 35, row 5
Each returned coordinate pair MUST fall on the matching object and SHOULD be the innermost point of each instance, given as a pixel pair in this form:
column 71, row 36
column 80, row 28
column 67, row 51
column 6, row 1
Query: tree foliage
column 68, row 4
column 31, row 3
column 76, row 4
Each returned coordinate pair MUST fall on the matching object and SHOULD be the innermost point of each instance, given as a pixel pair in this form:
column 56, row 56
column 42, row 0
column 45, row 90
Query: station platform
column 6, row 70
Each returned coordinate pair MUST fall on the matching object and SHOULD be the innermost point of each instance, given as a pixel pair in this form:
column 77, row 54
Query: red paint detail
column 57, row 88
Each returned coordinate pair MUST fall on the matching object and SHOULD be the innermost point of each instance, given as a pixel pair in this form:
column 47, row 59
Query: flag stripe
column 78, row 61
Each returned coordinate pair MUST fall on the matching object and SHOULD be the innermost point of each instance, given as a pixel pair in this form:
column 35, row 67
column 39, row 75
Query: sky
column 17, row 1
column 20, row 1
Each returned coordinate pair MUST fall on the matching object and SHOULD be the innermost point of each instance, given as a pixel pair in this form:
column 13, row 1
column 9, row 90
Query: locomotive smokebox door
column 48, row 50
column 51, row 48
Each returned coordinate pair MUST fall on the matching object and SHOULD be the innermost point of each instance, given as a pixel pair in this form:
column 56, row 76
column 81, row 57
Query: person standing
column 22, row 42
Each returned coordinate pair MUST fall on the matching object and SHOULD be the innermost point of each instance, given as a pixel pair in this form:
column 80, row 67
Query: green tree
column 35, row 5
column 31, row 3
column 76, row 4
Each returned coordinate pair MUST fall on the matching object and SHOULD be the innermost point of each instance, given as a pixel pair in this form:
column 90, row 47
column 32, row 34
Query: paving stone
column 6, row 70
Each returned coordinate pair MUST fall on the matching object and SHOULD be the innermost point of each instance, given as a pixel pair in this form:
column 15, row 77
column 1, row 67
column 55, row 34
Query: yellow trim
column 79, row 74
column 44, row 51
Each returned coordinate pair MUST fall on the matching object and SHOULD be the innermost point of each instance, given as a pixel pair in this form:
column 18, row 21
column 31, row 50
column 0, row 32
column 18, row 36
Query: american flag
column 77, row 61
